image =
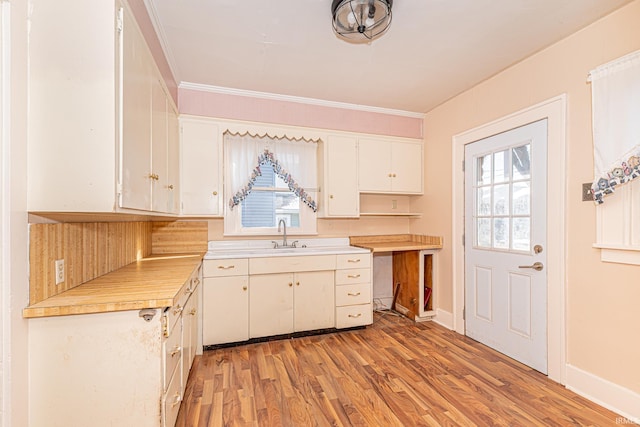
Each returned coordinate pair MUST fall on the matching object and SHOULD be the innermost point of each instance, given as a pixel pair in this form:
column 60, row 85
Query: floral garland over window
column 268, row 158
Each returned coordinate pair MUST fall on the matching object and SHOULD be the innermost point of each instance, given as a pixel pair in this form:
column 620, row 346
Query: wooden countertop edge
column 396, row 242
column 59, row 305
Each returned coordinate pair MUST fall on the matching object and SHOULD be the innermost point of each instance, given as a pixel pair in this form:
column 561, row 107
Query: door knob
column 536, row 266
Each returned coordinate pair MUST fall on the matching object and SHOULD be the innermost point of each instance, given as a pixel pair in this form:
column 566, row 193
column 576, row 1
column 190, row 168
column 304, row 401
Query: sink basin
column 251, row 249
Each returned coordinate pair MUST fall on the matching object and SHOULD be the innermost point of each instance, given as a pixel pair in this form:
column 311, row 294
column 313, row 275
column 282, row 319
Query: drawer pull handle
column 176, row 350
column 354, row 260
column 226, row 267
column 193, row 312
column 176, row 399
column 355, row 316
column 353, row 294
column 178, row 310
column 353, row 276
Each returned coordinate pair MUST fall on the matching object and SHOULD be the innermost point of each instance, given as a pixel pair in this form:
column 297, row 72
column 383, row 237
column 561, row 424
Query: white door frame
column 554, row 110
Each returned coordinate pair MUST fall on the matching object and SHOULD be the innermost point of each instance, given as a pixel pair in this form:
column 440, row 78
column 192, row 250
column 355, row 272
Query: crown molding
column 298, row 99
column 162, row 38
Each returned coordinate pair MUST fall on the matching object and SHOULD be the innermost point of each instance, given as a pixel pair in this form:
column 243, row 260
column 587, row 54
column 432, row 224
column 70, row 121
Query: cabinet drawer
column 292, row 264
column 356, row 275
column 171, row 401
column 172, row 314
column 353, row 294
column 354, row 315
column 225, row 267
column 353, row 261
column 172, row 352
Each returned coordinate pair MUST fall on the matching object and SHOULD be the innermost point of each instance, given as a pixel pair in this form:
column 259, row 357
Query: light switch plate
column 587, row 195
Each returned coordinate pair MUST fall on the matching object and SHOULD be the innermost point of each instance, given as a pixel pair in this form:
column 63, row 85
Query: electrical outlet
column 59, row 267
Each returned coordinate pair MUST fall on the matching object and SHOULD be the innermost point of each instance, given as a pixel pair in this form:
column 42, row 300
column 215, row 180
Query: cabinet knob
column 215, row 193
column 394, row 175
column 178, row 309
column 170, row 186
column 390, row 175
column 290, row 284
column 244, row 288
column 297, row 283
column 193, row 312
column 331, row 196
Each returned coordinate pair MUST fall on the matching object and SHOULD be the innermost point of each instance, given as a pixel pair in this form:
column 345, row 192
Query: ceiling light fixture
column 361, row 21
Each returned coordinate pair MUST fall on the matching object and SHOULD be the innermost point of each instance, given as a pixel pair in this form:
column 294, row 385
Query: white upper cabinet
column 93, row 86
column 339, row 183
column 201, row 170
column 390, row 165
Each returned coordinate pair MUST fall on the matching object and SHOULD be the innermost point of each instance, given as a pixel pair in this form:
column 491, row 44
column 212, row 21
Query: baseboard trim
column 605, row 393
column 444, row 318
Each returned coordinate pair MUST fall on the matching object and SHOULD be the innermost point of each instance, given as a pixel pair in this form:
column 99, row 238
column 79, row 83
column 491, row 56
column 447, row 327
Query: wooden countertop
column 396, row 242
column 153, row 282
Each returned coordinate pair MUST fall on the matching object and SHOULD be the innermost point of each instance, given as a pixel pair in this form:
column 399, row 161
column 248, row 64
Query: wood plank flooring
column 393, row 373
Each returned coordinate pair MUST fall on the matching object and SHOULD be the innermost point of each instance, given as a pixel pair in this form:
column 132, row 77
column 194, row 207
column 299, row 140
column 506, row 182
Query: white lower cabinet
column 267, row 296
column 112, row 368
column 290, row 302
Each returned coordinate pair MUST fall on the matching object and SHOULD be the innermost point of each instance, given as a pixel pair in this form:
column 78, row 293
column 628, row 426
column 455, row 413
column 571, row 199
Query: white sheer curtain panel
column 615, row 96
column 297, row 159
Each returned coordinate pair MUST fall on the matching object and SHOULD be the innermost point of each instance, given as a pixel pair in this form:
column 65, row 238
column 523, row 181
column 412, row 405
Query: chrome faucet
column 284, row 234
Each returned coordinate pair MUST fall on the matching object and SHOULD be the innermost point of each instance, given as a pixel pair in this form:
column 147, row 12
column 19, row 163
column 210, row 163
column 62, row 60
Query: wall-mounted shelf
column 409, row 214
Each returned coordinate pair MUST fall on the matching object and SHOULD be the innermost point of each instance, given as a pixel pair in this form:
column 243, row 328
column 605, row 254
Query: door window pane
column 484, row 170
column 521, row 198
column 484, row 232
column 521, row 160
column 501, row 233
column 501, row 199
column 484, row 201
column 521, row 234
column 501, row 166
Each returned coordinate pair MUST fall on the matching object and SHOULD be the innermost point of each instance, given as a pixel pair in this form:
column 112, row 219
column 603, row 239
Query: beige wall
column 602, row 298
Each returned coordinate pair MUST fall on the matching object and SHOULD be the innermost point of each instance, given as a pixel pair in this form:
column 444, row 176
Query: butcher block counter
column 152, row 282
column 396, row 242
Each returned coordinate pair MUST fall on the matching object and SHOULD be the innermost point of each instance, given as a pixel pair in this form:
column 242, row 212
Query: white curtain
column 615, row 95
column 296, row 161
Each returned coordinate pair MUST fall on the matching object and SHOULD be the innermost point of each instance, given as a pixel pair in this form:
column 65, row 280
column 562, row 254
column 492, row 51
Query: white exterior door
column 505, row 242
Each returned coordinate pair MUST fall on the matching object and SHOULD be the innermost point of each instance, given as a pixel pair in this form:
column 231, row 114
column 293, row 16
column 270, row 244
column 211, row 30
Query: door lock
column 536, row 266
column 537, row 249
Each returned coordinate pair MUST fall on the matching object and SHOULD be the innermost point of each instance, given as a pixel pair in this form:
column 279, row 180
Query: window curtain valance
column 292, row 159
column 615, row 96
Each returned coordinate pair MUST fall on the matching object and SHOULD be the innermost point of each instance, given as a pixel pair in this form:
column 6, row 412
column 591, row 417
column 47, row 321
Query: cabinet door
column 271, row 304
column 314, row 306
column 137, row 78
column 201, row 162
column 173, row 162
column 374, row 165
column 341, row 179
column 406, row 166
column 159, row 149
column 225, row 310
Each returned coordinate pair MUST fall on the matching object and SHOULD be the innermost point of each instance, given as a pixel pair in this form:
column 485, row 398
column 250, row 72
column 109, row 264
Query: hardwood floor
column 393, row 373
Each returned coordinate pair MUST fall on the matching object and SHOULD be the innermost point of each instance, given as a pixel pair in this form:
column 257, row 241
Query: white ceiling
column 434, row 49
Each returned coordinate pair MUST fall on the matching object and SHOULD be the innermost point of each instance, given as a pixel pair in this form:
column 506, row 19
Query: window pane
column 501, row 166
column 484, row 232
column 288, row 208
column 258, row 209
column 521, row 198
column 484, row 170
column 501, row 233
column 501, row 199
column 484, row 201
column 521, row 159
column 522, row 234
